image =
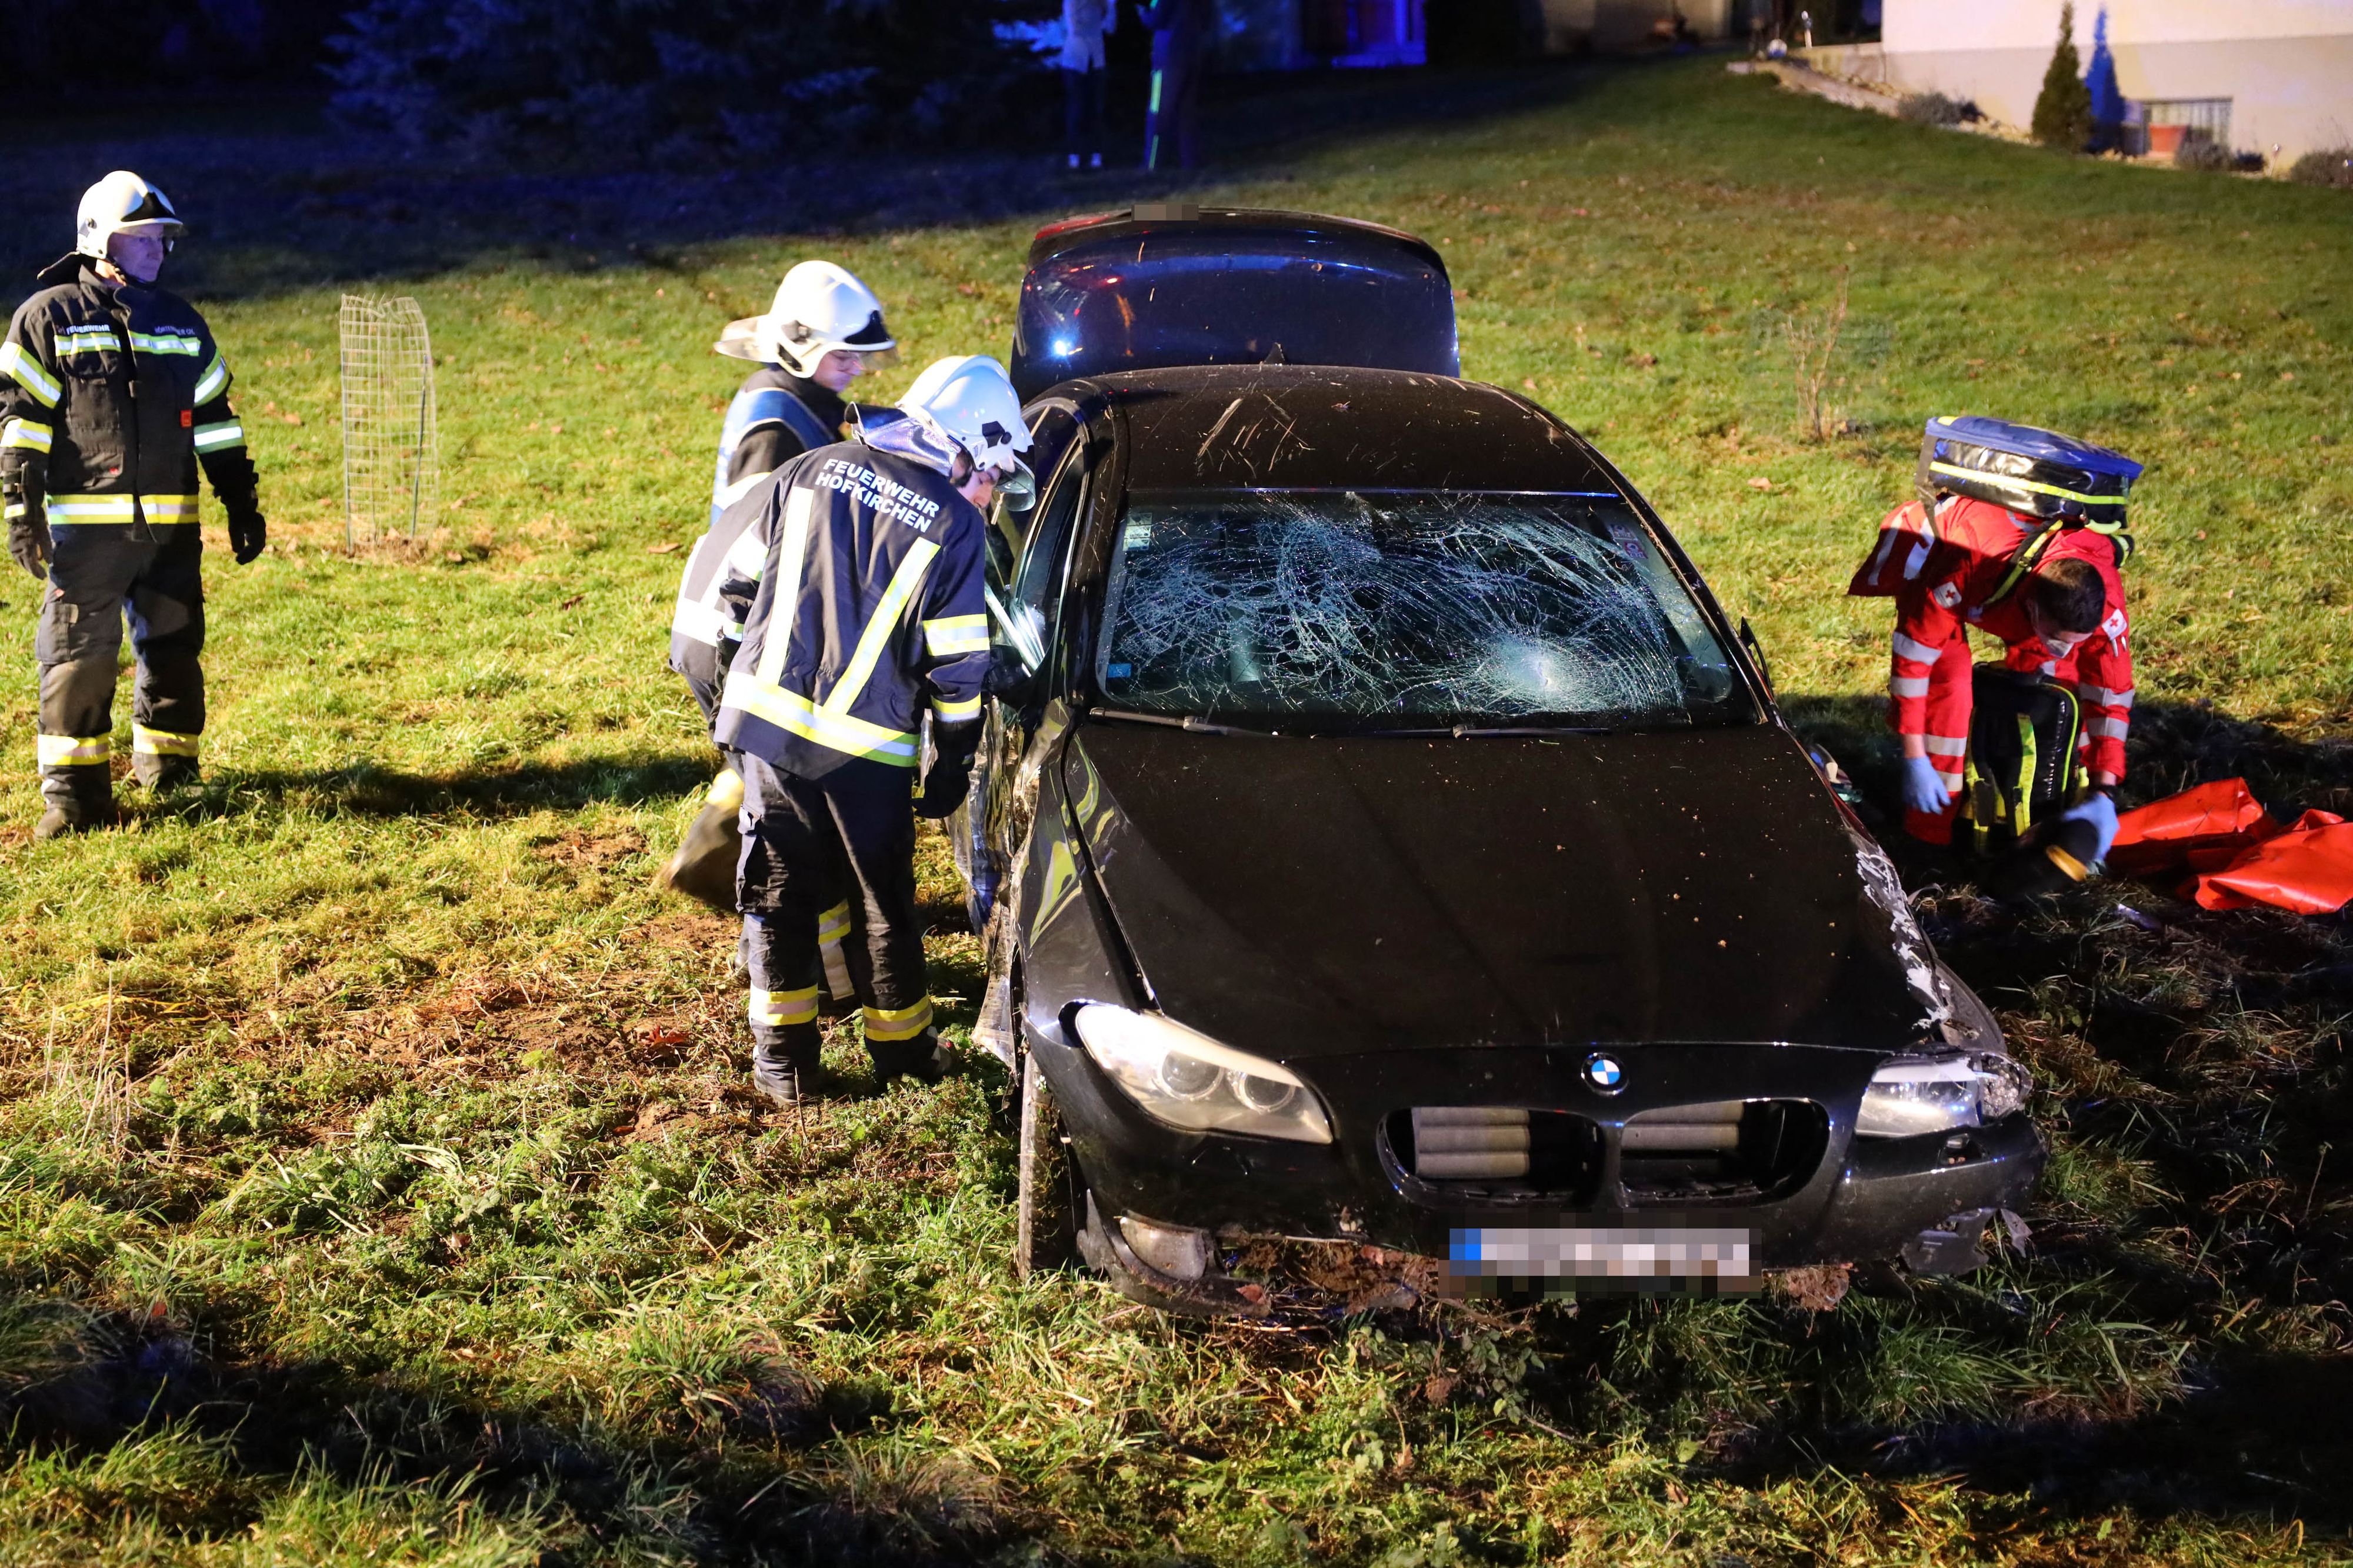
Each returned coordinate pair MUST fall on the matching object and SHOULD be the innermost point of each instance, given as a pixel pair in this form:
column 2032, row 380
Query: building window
column 2160, row 125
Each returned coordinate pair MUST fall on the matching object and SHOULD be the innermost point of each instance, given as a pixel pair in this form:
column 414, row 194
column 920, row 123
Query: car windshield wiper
column 1486, row 731
column 1190, row 721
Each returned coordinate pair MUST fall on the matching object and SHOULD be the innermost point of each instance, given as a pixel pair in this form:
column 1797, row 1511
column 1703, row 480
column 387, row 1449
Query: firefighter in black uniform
column 868, row 610
column 823, row 331
column 111, row 393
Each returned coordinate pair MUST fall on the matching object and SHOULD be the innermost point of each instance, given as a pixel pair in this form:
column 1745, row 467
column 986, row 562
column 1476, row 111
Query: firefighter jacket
column 721, row 574
column 775, row 418
column 1954, row 569
column 111, row 395
column 866, row 607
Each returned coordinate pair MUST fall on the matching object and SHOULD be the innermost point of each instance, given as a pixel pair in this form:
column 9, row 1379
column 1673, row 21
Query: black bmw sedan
column 1382, row 838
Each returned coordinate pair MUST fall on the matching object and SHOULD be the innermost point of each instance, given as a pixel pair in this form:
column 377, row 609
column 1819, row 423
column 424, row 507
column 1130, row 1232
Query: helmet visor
column 1017, row 486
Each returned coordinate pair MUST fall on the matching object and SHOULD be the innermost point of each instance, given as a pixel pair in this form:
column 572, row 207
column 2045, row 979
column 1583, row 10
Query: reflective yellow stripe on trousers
column 73, row 750
column 832, row 927
column 783, row 1009
column 898, row 1023
column 161, row 742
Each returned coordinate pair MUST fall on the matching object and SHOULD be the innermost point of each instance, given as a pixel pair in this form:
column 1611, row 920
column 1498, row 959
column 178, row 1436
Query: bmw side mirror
column 1756, row 653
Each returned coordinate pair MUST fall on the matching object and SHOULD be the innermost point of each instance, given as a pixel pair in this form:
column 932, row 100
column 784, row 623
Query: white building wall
column 2285, row 65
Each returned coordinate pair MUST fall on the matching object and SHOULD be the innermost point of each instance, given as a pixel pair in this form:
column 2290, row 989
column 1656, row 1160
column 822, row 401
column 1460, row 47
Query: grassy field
column 374, row 1180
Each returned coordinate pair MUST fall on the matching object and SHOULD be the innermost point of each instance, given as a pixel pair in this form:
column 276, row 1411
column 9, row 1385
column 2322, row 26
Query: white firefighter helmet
column 968, row 399
column 818, row 307
column 120, row 202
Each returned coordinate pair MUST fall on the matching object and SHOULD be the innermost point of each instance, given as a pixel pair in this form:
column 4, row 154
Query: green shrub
column 1932, row 109
column 2325, row 166
column 2202, row 152
column 678, row 82
column 2063, row 110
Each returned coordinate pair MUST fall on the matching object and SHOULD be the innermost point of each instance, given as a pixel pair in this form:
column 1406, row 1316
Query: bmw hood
column 1316, row 897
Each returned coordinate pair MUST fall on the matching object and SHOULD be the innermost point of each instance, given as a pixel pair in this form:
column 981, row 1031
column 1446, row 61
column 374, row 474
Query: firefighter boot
column 74, row 817
column 78, row 808
column 785, row 1077
column 77, row 797
column 923, row 1059
column 164, row 773
column 704, row 866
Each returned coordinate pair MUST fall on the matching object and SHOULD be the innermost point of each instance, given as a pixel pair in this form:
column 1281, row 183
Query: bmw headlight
column 1909, row 1097
column 1188, row 1080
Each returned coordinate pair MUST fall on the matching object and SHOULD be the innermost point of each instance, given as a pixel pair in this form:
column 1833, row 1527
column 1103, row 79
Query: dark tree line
column 667, row 82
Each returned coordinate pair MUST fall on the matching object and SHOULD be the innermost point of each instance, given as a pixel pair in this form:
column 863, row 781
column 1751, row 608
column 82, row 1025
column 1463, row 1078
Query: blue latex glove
column 1923, row 786
column 2101, row 813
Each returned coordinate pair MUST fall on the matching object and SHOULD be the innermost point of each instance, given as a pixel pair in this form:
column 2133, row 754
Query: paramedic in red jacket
column 1954, row 569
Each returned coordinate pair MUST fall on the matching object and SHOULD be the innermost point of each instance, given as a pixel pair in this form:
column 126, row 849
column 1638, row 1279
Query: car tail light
column 1084, row 220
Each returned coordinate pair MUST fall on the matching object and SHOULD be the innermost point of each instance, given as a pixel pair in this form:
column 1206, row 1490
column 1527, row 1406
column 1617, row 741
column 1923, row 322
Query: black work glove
column 28, row 539
column 247, row 533
column 944, row 786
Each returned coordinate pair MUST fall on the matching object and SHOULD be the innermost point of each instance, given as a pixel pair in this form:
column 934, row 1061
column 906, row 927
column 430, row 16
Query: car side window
column 1052, row 426
column 1026, row 622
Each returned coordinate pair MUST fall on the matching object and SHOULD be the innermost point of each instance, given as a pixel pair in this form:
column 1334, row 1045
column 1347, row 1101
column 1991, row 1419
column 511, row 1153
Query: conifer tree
column 2063, row 110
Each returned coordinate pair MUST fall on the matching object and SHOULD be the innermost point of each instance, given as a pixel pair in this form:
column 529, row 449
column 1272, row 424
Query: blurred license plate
column 1614, row 1258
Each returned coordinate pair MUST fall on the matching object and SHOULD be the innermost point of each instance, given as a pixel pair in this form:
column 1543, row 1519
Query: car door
column 1024, row 600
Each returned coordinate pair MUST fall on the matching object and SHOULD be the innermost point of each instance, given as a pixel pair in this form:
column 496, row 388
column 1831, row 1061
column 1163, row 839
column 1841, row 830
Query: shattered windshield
column 1371, row 610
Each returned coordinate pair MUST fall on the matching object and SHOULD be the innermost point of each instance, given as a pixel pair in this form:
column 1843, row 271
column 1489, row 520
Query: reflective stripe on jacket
column 1963, row 558
column 111, row 396
column 868, row 607
column 722, row 572
column 773, row 417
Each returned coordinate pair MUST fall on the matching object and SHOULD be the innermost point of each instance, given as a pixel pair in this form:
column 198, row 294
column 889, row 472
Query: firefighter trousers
column 98, row 573
column 808, row 846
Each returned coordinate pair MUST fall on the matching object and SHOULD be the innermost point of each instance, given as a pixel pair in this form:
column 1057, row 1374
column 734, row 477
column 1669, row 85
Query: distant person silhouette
column 1085, row 24
column 1180, row 42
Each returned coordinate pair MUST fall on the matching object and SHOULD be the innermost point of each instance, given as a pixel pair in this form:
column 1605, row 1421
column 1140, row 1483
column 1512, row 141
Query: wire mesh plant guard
column 392, row 458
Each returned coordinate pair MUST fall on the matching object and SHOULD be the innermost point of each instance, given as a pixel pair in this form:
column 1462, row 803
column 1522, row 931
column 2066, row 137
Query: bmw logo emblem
column 1605, row 1072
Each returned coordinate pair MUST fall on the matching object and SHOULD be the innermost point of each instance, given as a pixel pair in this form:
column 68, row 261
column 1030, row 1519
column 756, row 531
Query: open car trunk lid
column 1158, row 286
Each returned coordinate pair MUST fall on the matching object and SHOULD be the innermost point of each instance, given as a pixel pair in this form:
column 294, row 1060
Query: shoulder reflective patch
column 214, row 382
column 18, row 366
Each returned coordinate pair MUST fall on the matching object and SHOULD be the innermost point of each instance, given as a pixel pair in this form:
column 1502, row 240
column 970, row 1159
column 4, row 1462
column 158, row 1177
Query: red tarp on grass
column 2238, row 856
